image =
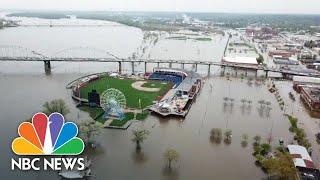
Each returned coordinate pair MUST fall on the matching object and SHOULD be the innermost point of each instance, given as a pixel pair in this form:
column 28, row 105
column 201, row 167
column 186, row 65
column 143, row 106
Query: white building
column 240, row 60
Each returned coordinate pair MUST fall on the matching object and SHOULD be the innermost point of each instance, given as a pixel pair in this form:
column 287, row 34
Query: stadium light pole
column 140, row 104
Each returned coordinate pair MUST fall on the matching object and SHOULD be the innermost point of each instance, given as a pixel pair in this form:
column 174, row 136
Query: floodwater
column 25, row 87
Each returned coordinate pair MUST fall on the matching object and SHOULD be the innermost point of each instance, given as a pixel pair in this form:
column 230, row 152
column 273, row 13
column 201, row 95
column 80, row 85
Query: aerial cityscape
column 128, row 91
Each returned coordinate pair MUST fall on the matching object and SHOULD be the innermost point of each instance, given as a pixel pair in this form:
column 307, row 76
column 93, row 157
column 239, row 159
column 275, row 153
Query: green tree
column 56, row 105
column 171, row 155
column 257, row 149
column 300, row 134
column 265, row 148
column 257, row 139
column 282, row 166
column 260, row 158
column 139, row 136
column 260, row 59
column 89, row 129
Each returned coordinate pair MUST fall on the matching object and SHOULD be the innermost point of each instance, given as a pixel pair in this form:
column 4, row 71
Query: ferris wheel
column 113, row 101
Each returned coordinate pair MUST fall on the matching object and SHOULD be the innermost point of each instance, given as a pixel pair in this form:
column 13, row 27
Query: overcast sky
column 251, row 6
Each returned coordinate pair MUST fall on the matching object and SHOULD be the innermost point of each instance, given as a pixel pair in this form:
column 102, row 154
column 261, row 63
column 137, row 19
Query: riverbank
column 121, row 19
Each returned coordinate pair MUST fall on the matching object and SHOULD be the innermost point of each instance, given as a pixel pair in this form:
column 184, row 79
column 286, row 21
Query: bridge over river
column 89, row 54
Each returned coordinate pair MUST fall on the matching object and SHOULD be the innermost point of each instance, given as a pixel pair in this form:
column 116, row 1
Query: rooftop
column 241, row 60
column 187, row 84
column 301, row 157
column 314, row 92
column 304, row 79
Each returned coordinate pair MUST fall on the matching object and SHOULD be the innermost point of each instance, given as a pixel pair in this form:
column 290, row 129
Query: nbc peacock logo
column 48, row 136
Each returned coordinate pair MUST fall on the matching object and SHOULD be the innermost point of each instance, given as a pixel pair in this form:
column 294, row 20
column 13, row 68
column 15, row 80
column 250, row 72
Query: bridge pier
column 182, row 65
column 158, row 64
column 223, row 70
column 267, row 74
column 120, row 68
column 170, row 65
column 209, row 66
column 47, row 66
column 132, row 65
column 196, row 67
column 284, row 75
column 236, row 69
column 246, row 73
column 145, row 67
column 256, row 75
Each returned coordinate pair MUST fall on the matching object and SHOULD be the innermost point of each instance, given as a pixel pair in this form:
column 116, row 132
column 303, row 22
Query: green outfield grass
column 124, row 85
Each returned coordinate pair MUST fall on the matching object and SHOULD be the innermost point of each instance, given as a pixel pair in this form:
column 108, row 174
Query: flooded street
column 25, row 87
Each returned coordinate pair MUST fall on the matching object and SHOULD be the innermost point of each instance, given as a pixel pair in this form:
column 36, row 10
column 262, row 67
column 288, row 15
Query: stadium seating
column 176, row 79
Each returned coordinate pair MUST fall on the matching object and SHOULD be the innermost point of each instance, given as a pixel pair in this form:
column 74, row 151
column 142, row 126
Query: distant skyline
column 228, row 6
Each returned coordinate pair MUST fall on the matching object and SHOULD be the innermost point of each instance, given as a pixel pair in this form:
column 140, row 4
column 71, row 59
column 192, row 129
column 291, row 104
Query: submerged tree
column 225, row 99
column 257, row 139
column 228, row 136
column 56, row 105
column 216, row 135
column 171, row 155
column 261, row 102
column 228, row 75
column 139, row 136
column 245, row 138
column 243, row 100
column 231, row 101
column 89, row 129
column 268, row 103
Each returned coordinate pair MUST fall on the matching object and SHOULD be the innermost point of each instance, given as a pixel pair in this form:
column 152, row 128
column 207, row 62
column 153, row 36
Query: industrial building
column 301, row 81
column 311, row 97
